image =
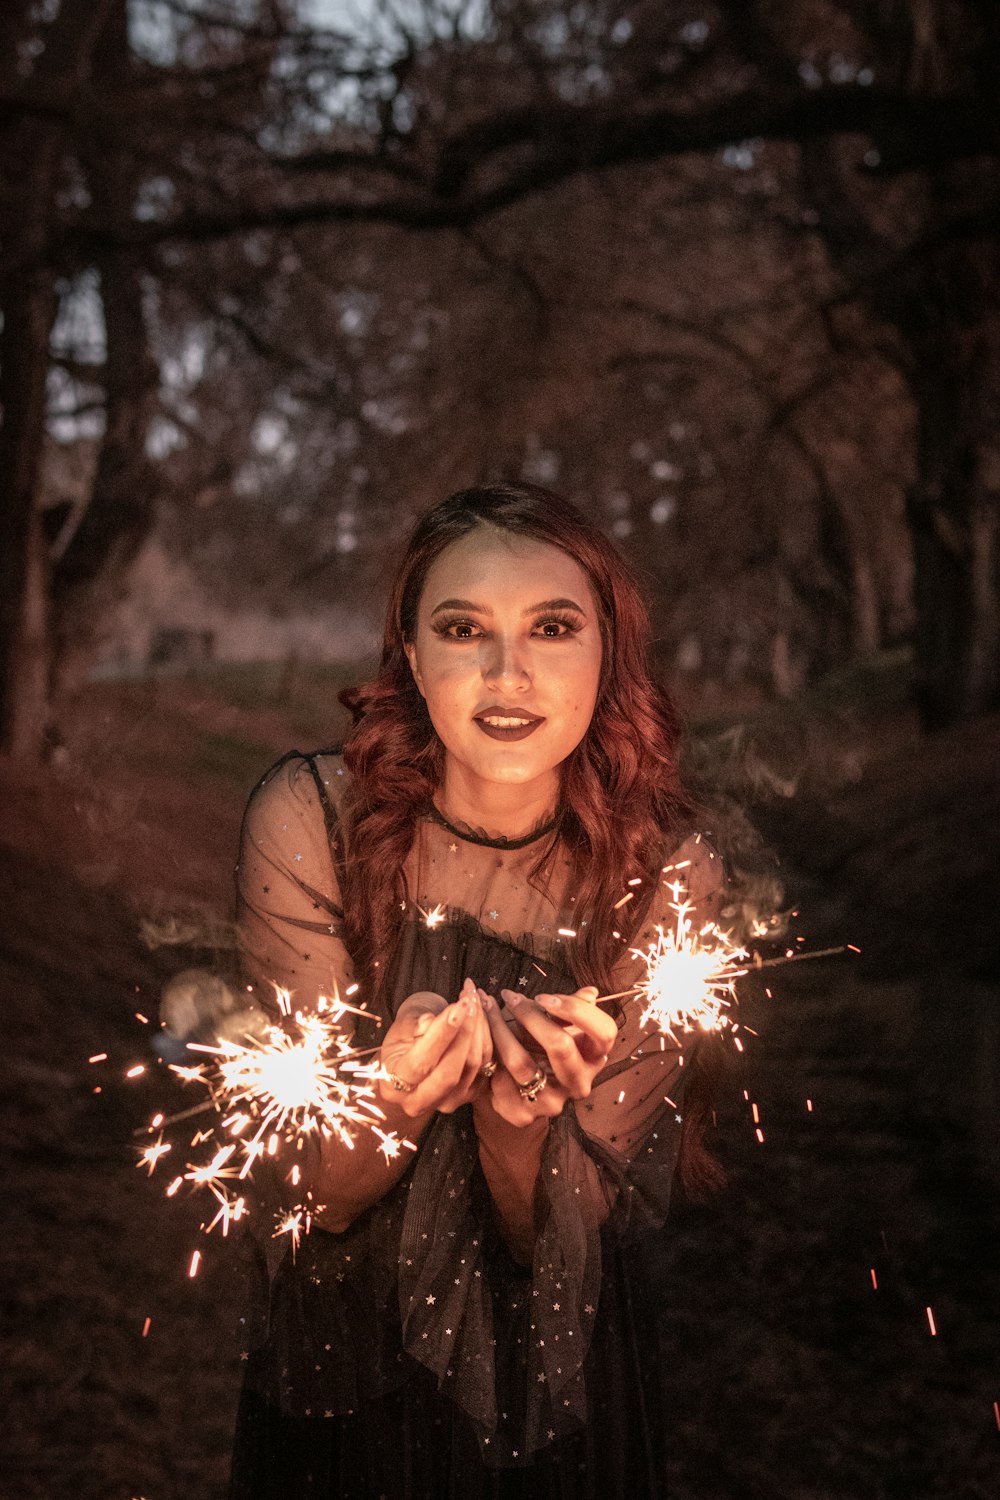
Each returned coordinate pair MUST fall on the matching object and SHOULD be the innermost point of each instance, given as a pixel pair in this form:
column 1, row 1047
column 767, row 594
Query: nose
column 505, row 664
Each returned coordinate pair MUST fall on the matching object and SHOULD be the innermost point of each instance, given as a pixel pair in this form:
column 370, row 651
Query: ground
column 830, row 1320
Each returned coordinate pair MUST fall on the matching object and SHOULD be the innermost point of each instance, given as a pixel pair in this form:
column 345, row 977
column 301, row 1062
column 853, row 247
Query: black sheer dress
column 410, row 1357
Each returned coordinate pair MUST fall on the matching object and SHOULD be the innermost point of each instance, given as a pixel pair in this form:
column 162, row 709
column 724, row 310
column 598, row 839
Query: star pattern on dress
column 469, row 889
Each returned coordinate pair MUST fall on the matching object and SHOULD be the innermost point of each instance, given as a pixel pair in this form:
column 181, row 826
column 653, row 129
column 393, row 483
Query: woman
column 481, row 861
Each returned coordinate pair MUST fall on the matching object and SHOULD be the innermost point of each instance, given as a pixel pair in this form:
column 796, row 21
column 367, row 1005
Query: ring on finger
column 531, row 1090
column 487, row 1070
column 399, row 1084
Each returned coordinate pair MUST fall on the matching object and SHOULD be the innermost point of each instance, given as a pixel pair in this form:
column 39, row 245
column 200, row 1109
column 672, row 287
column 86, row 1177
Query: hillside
column 791, row 1374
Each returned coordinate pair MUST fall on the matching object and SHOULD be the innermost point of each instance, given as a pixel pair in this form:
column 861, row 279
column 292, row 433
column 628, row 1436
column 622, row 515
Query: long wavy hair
column 622, row 806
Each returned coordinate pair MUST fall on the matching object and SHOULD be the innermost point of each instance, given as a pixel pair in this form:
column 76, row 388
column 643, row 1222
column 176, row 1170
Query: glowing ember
column 150, row 1155
column 295, row 1223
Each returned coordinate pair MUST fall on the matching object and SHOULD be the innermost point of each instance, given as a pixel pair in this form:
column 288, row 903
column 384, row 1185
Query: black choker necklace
column 479, row 836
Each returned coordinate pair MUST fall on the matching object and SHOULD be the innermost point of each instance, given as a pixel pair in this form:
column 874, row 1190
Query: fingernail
column 512, row 998
column 455, row 1015
column 467, row 986
column 551, row 1002
column 589, row 989
column 485, row 1000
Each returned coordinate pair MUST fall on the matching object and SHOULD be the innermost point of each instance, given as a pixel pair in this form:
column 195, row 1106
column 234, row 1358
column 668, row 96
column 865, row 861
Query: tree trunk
column 90, row 575
column 29, row 310
column 953, row 508
column 943, row 307
column 88, row 578
column 29, row 301
column 957, row 598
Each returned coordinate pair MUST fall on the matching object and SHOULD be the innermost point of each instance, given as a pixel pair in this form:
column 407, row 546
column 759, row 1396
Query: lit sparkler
column 691, row 974
column 299, row 1078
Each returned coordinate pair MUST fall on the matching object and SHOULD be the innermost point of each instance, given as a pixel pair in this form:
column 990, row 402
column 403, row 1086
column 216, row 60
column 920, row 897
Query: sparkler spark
column 150, row 1155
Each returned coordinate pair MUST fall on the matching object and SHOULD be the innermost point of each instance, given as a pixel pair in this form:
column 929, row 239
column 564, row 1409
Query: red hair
column 622, row 806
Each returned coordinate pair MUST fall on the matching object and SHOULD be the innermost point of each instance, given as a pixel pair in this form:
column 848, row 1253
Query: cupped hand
column 439, row 1048
column 567, row 1037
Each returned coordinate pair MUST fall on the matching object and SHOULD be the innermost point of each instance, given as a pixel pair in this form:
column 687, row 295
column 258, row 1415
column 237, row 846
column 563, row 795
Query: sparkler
column 300, row 1078
column 690, row 980
column 691, row 973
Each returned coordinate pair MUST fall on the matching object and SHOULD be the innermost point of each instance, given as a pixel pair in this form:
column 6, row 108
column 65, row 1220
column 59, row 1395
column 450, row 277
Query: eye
column 457, row 630
column 555, row 627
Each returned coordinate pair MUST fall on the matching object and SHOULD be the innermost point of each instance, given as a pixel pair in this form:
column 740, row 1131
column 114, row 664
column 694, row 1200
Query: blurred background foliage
column 276, row 274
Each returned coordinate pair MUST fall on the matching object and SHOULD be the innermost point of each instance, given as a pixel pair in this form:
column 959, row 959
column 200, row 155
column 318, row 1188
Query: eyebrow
column 483, row 609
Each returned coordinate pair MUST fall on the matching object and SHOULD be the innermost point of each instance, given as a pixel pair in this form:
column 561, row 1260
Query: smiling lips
column 507, row 723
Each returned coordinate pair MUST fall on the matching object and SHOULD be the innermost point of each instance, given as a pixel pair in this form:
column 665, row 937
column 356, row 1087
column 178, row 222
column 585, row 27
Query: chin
column 512, row 771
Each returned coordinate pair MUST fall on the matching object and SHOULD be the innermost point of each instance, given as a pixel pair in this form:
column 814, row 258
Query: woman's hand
column 571, row 1040
column 436, row 1053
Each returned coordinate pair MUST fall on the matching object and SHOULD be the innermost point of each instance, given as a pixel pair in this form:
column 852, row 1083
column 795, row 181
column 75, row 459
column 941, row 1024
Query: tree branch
column 565, row 141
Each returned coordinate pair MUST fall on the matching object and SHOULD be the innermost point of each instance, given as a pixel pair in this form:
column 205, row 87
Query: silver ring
column 487, row 1070
column 399, row 1084
column 533, row 1087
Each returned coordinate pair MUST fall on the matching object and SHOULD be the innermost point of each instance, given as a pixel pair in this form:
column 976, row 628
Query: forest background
column 275, row 275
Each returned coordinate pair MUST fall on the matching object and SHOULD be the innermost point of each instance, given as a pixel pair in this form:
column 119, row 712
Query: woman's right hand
column 440, row 1049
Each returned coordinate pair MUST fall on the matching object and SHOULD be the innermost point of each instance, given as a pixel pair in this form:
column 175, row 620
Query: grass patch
column 304, row 693
column 230, row 757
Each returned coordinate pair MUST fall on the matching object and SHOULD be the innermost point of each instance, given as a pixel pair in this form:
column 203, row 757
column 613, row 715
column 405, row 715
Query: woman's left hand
column 571, row 1050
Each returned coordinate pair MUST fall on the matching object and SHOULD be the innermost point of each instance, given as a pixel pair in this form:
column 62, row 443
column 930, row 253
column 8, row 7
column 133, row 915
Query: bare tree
column 244, row 134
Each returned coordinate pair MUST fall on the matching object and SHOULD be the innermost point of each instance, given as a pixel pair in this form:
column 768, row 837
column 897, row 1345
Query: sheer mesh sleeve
column 288, row 895
column 632, row 1121
column 289, row 930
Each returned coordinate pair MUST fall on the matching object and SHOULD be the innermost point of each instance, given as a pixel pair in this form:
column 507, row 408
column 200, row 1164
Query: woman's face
column 507, row 654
